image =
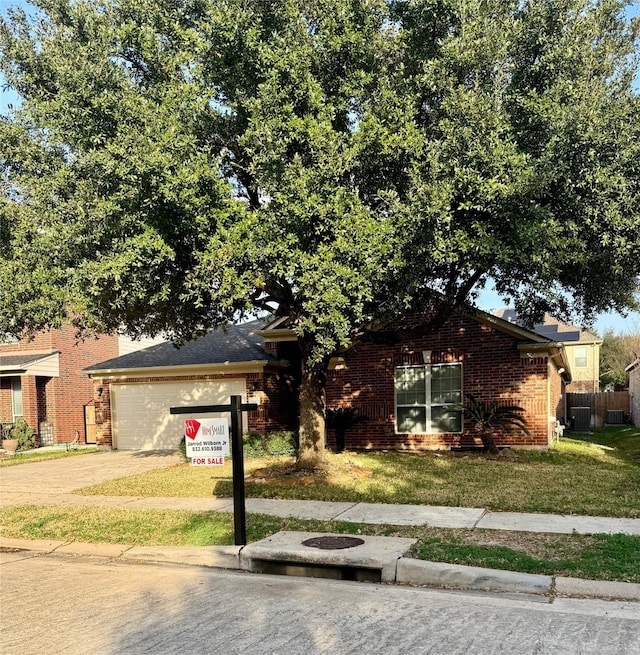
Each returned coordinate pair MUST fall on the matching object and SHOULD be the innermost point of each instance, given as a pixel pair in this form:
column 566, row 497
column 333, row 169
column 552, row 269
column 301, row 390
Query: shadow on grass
column 584, row 478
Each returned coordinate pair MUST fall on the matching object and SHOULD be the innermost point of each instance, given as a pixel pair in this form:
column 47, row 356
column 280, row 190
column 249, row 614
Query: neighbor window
column 428, row 399
column 16, row 398
column 580, row 357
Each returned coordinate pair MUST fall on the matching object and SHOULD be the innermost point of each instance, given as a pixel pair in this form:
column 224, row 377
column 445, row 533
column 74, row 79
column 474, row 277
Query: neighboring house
column 408, row 383
column 633, row 371
column 582, row 347
column 41, row 380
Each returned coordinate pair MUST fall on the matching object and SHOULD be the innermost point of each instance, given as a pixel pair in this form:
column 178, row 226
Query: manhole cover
column 333, row 543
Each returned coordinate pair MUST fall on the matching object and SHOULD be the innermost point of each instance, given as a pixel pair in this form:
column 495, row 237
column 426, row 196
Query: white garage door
column 140, row 411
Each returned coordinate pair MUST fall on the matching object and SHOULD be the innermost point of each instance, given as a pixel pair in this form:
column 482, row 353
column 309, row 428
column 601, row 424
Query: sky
column 488, row 299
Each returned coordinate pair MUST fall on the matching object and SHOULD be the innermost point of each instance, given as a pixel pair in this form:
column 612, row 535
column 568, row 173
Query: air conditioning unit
column 615, row 417
column 580, row 418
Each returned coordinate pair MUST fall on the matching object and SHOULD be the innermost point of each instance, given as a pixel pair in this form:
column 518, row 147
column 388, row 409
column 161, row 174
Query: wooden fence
column 599, row 404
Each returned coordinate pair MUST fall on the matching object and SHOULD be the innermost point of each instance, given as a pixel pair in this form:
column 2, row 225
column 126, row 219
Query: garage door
column 140, row 412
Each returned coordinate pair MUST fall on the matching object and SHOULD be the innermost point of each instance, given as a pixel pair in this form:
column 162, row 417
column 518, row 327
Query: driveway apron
column 62, row 476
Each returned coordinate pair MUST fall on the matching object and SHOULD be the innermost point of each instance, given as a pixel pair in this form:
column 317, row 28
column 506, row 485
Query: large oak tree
column 177, row 164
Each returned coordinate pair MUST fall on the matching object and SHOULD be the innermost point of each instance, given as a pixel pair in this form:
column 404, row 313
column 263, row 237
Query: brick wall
column 583, row 386
column 557, row 391
column 6, row 413
column 69, row 393
column 493, row 369
column 29, row 400
column 32, row 401
column 42, row 342
column 59, row 401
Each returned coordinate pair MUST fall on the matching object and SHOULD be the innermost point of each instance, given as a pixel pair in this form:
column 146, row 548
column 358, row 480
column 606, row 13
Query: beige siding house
column 581, row 346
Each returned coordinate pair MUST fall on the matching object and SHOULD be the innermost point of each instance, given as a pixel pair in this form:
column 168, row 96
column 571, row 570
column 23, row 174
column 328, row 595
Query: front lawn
column 596, row 474
column 35, row 456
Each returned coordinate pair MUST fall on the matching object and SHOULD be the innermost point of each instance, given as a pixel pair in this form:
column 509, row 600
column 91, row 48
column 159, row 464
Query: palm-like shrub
column 489, row 416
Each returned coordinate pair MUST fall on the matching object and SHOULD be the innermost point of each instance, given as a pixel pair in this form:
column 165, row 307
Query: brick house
column 42, row 381
column 408, row 383
column 133, row 393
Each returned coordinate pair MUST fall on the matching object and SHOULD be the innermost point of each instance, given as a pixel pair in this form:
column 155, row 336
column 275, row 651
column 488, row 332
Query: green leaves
column 490, row 416
column 176, row 164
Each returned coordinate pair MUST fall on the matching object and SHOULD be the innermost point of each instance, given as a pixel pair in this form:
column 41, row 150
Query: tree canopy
column 616, row 353
column 177, row 164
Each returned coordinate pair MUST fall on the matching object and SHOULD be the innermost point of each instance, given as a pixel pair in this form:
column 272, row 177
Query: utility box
column 615, row 417
column 580, row 418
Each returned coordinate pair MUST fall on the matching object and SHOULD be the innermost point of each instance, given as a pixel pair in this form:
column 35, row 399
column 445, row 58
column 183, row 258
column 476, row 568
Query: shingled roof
column 234, row 344
column 21, row 360
column 551, row 328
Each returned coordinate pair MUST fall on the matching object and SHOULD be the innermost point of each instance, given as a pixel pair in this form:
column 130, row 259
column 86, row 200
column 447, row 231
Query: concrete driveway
column 61, row 476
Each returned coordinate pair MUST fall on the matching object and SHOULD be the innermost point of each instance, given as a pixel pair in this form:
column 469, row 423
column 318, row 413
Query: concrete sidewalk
column 372, row 513
column 54, row 482
column 396, row 569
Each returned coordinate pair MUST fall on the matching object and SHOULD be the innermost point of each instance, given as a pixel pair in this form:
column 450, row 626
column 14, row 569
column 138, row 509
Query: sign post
column 236, row 408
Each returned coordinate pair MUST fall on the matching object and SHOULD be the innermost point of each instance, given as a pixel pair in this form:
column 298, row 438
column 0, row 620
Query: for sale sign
column 207, row 461
column 207, row 440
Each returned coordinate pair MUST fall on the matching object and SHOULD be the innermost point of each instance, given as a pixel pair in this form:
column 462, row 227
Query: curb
column 598, row 589
column 216, row 557
column 437, row 574
column 413, row 572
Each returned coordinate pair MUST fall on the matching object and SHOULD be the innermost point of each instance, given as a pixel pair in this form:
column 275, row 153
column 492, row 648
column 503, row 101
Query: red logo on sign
column 191, row 427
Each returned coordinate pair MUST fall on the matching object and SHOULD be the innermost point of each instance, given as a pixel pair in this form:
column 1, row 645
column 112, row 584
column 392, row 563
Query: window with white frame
column 580, row 357
column 16, row 398
column 429, row 399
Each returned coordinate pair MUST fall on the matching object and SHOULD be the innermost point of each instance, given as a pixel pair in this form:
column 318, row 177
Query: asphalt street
column 77, row 605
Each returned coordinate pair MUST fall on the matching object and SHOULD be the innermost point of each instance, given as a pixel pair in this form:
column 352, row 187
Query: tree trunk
column 312, row 425
column 489, row 442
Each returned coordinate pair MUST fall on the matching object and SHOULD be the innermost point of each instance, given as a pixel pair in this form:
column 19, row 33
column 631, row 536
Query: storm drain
column 334, row 556
column 311, row 570
column 328, row 571
column 333, row 543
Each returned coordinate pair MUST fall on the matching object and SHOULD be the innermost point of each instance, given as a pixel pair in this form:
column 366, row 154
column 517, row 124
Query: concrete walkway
column 372, row 513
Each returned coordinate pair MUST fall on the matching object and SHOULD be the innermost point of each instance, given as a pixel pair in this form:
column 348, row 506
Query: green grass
column 598, row 474
column 595, row 474
column 597, row 557
column 594, row 557
column 27, row 458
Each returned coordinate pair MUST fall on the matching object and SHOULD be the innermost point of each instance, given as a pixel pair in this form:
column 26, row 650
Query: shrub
column 24, row 434
column 274, row 444
column 281, row 444
column 340, row 420
column 489, row 416
column 182, row 448
column 254, row 445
